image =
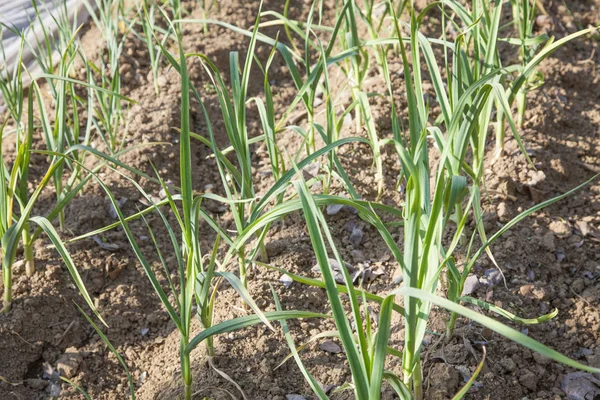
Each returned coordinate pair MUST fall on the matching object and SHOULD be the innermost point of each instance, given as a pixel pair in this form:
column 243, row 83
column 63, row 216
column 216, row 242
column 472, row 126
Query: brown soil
column 550, row 260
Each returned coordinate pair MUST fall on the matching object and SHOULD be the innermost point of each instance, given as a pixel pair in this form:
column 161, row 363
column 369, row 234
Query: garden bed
column 550, row 260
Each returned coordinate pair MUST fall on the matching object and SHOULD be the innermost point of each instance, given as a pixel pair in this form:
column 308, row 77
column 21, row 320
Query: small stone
column 347, row 120
column 367, row 273
column 508, row 187
column 537, row 195
column 327, row 388
column 311, row 171
column 526, row 290
column 19, row 267
column 594, row 359
column 444, row 379
column 540, row 359
column 561, row 229
column 539, row 293
column 491, row 277
column 162, row 81
column 337, row 269
column 358, row 256
column 502, row 211
column 49, row 373
column 52, row 272
column 350, row 225
column 68, row 364
column 397, row 277
column 330, row 347
column 105, row 245
column 54, row 390
column 583, row 352
column 548, row 242
column 142, row 377
column 356, row 237
column 286, row 280
column 528, row 379
column 508, row 364
column 544, row 22
column 583, row 227
column 36, row 384
column 294, row 396
column 471, row 284
column 112, row 211
column 275, row 248
column 578, row 285
column 536, row 177
column 580, row 386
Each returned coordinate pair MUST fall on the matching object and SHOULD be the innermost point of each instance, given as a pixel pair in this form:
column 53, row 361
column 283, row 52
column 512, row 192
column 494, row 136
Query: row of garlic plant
column 466, row 111
column 199, row 279
column 19, row 193
column 67, row 139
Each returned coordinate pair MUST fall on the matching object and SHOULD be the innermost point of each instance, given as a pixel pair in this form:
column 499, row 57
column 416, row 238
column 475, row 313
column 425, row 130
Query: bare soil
column 550, row 260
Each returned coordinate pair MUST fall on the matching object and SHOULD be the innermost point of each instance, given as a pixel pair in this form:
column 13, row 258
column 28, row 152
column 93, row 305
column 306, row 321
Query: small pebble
column 470, row 286
column 68, row 364
column 286, row 280
column 330, row 347
column 356, row 237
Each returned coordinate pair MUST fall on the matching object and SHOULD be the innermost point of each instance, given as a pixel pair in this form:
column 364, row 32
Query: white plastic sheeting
column 18, row 17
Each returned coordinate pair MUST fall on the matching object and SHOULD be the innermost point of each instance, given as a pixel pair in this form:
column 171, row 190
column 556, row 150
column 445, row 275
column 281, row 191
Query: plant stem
column 358, row 112
column 459, row 216
column 242, row 261
column 28, row 251
column 206, row 322
column 310, row 140
column 500, row 133
column 210, row 347
column 418, row 380
column 450, row 326
column 61, row 214
column 521, row 106
column 7, row 278
column 186, row 373
column 413, row 379
column 262, row 250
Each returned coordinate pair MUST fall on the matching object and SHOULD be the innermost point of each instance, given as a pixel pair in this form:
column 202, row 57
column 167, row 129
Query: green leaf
column 236, row 324
column 112, row 349
column 237, row 285
column 381, row 348
column 507, row 314
column 285, row 179
column 495, row 326
column 314, row 385
column 355, row 357
column 465, row 389
column 66, row 257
